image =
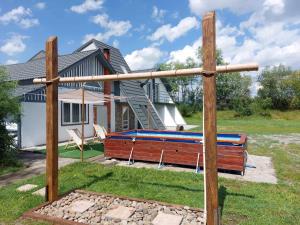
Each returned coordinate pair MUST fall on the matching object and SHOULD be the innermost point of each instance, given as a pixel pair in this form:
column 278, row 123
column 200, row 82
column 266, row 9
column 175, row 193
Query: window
column 71, row 113
column 125, row 118
column 149, row 90
column 156, row 93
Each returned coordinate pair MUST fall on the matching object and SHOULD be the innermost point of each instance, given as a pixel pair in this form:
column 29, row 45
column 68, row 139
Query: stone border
column 33, row 215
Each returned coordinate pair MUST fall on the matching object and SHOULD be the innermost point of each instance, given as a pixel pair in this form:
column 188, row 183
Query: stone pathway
column 107, row 210
column 35, row 165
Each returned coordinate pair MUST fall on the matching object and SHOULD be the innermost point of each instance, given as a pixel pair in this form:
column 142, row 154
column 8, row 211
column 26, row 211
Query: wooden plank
column 51, row 120
column 209, row 120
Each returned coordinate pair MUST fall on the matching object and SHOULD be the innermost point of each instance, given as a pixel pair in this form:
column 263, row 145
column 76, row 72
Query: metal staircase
column 141, row 105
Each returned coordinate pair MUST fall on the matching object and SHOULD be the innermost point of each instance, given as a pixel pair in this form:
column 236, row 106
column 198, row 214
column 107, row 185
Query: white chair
column 100, row 132
column 75, row 136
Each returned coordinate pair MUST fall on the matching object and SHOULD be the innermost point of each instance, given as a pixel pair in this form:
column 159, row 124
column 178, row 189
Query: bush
column 185, row 110
column 295, row 103
column 9, row 108
column 242, row 107
column 7, row 148
column 261, row 106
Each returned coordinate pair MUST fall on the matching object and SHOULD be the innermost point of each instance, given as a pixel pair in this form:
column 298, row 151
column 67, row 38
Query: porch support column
column 107, row 90
column 209, row 120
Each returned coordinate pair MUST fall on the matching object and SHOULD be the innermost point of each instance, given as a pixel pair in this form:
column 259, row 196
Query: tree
column 9, row 108
column 230, row 86
column 277, row 85
column 292, row 83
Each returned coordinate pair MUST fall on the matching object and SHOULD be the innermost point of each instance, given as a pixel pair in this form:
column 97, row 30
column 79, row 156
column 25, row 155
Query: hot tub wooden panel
column 230, row 157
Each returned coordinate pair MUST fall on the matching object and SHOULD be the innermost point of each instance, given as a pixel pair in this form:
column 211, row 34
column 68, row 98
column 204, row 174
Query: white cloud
column 262, row 38
column 276, row 6
column 181, row 55
column 40, row 5
column 87, row 5
column 158, row 14
column 116, row 43
column 14, row 45
column 112, row 28
column 200, row 7
column 144, row 58
column 20, row 16
column 140, row 28
column 171, row 33
column 27, row 23
column 11, row 61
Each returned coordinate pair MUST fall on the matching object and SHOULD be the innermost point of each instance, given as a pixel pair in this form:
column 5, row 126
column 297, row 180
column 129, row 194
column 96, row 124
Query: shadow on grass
column 96, row 179
column 223, row 194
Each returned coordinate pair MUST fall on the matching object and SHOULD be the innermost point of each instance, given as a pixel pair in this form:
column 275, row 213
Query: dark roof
column 24, row 89
column 116, row 58
column 36, row 68
column 39, row 55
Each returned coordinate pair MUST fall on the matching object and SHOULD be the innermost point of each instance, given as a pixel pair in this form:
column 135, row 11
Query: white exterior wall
column 170, row 115
column 178, row 117
column 165, row 115
column 33, row 124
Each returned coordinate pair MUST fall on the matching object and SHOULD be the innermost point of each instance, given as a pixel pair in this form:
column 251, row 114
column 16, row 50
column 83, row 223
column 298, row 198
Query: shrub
column 261, row 106
column 185, row 109
column 9, row 108
column 295, row 103
column 242, row 107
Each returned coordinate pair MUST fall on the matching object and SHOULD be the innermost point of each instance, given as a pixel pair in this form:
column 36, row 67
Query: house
column 144, row 104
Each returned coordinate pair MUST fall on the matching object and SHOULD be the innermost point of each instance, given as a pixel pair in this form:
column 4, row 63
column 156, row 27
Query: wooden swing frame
column 209, row 71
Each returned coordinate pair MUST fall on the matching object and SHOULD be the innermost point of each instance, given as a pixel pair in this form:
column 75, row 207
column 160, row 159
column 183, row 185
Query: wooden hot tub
column 183, row 148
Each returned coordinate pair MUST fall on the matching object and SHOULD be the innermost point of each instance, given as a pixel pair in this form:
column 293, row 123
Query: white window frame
column 125, row 123
column 63, row 123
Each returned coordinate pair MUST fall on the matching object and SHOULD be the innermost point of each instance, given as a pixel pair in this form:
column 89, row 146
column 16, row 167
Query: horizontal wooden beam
column 156, row 74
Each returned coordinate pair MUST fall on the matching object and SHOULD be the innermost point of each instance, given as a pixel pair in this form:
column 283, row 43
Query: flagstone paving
column 109, row 210
column 40, row 192
column 167, row 219
column 26, row 187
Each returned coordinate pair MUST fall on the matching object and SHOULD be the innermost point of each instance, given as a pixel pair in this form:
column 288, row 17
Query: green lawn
column 279, row 123
column 90, row 150
column 244, row 203
column 10, row 169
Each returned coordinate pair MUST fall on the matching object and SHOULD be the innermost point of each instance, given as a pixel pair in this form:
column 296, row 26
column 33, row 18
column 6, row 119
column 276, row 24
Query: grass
column 90, row 150
column 279, row 123
column 243, row 203
column 10, row 169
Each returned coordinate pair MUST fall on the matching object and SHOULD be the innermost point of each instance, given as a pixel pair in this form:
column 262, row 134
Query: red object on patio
column 182, row 148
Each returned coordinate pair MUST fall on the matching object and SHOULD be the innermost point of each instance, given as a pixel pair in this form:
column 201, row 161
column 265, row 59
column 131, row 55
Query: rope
column 56, row 79
column 208, row 73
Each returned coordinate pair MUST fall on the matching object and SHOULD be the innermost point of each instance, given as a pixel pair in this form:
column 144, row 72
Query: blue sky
column 151, row 32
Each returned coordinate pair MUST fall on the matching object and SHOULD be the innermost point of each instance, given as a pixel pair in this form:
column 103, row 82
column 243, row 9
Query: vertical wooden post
column 51, row 120
column 82, row 125
column 209, row 120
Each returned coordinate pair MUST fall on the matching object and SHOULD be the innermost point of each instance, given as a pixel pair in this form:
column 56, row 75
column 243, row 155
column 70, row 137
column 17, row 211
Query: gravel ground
column 144, row 212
